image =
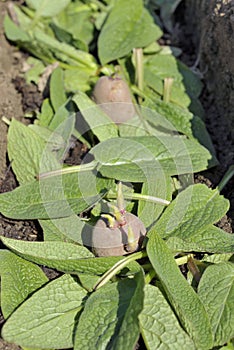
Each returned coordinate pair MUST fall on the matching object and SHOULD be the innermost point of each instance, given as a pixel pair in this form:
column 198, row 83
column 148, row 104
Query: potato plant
column 118, row 252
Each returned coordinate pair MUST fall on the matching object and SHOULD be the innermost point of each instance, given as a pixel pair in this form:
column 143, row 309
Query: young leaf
column 62, row 256
column 185, row 301
column 159, row 326
column 55, row 197
column 216, row 291
column 47, row 319
column 26, row 149
column 128, row 25
column 110, row 316
column 137, row 159
column 57, row 93
column 19, row 278
column 100, row 124
column 192, row 210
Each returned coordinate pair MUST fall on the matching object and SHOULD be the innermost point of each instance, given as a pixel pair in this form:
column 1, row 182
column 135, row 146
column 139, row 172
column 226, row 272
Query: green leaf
column 167, row 66
column 62, row 256
column 179, row 120
column 13, row 32
column 216, row 290
column 77, row 20
column 185, row 301
column 26, row 149
column 138, row 158
column 193, row 209
column 52, row 250
column 149, row 212
column 64, row 112
column 37, row 68
column 100, row 124
column 210, row 239
column 110, row 316
column 128, row 25
column 54, row 197
column 47, row 8
column 159, row 325
column 57, row 92
column 47, row 319
column 69, row 228
column 46, row 115
column 19, row 278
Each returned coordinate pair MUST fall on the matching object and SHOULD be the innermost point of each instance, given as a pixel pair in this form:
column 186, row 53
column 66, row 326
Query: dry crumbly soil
column 16, row 98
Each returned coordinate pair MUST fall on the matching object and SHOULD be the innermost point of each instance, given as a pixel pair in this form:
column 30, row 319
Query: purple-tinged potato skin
column 114, row 97
column 108, row 241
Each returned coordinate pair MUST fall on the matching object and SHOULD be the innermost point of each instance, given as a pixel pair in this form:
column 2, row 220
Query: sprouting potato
column 118, row 239
column 114, row 97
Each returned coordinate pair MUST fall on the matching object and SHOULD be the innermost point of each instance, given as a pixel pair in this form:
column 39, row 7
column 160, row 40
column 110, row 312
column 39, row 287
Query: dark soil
column 16, row 98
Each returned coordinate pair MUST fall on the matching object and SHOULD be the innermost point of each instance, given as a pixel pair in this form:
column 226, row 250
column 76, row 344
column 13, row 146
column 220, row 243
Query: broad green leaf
column 64, row 52
column 19, row 279
column 137, row 159
column 48, row 136
column 76, row 79
column 47, row 319
column 179, row 120
column 178, row 94
column 165, row 66
column 128, row 25
column 46, row 115
column 216, row 290
column 54, row 197
column 47, row 8
column 64, row 112
column 98, row 122
column 62, row 256
column 110, row 316
column 26, row 149
column 88, row 281
column 149, row 212
column 69, row 228
column 14, row 32
column 208, row 239
column 52, row 250
column 193, row 209
column 185, row 301
column 77, row 20
column 159, row 325
column 217, row 258
column 57, row 93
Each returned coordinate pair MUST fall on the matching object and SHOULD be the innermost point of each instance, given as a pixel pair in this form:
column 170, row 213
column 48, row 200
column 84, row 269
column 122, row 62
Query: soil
column 16, row 98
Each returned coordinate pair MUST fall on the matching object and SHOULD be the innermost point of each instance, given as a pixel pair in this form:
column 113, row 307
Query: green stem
column 183, row 260
column 227, row 176
column 118, row 267
column 167, row 89
column 139, row 196
column 149, row 276
column 70, row 170
column 139, row 77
